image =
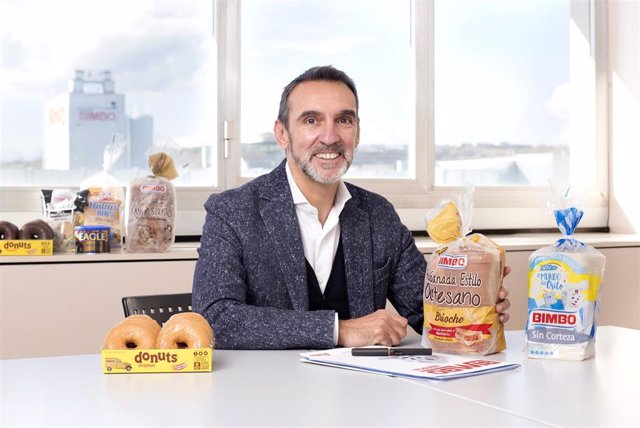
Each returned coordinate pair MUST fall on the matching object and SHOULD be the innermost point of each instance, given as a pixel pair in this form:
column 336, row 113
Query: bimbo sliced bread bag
column 152, row 208
column 565, row 280
column 464, row 276
column 104, row 205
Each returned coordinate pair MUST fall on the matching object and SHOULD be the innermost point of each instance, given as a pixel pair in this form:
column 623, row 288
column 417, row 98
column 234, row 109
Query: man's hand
column 503, row 302
column 379, row 328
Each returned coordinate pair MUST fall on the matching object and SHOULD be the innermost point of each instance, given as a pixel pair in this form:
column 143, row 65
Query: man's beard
column 306, row 166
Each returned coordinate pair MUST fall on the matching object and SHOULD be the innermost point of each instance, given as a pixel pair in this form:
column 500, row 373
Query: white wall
column 67, row 308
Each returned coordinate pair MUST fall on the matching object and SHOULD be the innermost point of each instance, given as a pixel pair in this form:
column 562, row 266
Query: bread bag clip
column 464, row 276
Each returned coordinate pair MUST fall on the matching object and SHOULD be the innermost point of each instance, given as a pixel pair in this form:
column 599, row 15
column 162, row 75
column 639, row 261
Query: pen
column 385, row 352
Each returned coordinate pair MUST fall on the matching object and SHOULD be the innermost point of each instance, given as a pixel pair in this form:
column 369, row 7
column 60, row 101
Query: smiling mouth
column 328, row 156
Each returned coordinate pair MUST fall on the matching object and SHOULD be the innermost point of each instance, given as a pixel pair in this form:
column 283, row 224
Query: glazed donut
column 185, row 330
column 8, row 230
column 146, row 320
column 134, row 331
column 36, row 229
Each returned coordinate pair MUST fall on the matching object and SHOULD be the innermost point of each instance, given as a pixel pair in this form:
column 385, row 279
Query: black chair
column 159, row 307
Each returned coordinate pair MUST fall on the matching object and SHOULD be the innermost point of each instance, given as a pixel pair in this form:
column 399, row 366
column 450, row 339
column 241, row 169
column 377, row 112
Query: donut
column 144, row 319
column 134, row 332
column 185, row 330
column 8, row 230
column 36, row 229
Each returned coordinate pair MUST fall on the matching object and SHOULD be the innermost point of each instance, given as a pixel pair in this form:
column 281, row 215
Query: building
column 80, row 123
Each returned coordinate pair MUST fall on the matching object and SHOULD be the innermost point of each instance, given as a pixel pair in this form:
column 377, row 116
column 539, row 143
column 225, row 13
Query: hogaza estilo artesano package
column 463, row 278
column 152, row 208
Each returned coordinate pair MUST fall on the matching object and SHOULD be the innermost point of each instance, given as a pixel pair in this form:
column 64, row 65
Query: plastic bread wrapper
column 62, row 209
column 567, row 211
column 565, row 282
column 463, row 279
column 152, row 202
column 106, row 196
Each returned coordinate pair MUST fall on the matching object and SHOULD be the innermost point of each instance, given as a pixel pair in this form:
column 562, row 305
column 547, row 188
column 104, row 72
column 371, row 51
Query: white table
column 601, row 391
column 259, row 388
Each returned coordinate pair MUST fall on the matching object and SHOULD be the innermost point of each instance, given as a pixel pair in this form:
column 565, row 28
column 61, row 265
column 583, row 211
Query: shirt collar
column 342, row 195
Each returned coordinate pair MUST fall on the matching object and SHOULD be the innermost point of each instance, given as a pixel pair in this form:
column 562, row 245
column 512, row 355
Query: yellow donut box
column 116, row 361
column 26, row 247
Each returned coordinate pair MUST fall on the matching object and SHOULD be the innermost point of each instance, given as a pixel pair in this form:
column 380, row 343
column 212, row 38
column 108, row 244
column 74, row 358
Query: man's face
column 322, row 131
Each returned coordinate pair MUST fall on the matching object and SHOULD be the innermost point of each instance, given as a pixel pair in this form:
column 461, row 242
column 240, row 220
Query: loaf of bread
column 105, row 197
column 565, row 283
column 152, row 213
column 460, row 295
column 463, row 279
column 104, row 206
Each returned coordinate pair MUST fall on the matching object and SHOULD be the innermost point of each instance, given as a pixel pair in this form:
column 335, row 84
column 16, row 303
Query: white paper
column 424, row 367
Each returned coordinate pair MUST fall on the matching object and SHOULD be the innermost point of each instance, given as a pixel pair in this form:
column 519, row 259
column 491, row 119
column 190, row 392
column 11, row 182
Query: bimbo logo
column 153, row 188
column 553, row 319
column 100, row 116
column 450, row 261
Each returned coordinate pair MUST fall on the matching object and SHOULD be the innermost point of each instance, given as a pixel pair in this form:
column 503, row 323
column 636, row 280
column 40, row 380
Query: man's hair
column 325, row 72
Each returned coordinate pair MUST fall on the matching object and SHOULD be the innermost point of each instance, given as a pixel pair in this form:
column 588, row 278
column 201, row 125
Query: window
column 75, row 73
column 282, row 38
column 516, row 103
column 500, row 93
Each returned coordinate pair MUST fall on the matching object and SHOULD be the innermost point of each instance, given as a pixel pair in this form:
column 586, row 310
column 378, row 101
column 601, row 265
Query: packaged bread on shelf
column 463, row 278
column 565, row 280
column 61, row 208
column 152, row 208
column 104, row 204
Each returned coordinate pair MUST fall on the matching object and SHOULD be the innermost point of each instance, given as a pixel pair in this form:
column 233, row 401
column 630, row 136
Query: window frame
column 495, row 208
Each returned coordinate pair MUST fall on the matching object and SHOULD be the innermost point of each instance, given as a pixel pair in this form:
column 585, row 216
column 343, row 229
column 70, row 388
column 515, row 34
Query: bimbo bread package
column 565, row 280
column 464, row 276
column 61, row 209
column 152, row 208
column 104, row 205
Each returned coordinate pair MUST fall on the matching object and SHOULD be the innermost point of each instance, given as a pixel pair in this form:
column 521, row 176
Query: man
column 299, row 259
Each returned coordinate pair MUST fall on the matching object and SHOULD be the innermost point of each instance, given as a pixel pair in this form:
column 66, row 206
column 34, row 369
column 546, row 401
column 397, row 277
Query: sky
column 501, row 66
column 161, row 58
column 504, row 69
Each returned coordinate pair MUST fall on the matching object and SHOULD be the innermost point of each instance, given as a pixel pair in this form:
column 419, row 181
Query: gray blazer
column 251, row 281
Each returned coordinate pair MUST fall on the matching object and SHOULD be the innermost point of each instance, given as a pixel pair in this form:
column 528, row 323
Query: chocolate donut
column 8, row 230
column 36, row 229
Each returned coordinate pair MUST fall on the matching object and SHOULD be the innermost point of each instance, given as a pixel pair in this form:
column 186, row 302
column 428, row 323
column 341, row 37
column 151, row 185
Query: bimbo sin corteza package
column 565, row 280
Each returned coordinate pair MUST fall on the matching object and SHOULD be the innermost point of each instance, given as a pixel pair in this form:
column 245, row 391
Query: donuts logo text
column 14, row 245
column 148, row 357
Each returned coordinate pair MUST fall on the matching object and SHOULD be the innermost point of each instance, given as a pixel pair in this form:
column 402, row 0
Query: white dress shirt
column 320, row 242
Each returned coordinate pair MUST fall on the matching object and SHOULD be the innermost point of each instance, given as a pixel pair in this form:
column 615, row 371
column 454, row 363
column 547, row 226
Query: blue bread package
column 565, row 282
